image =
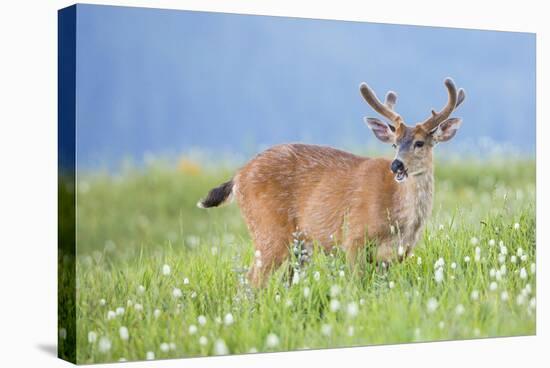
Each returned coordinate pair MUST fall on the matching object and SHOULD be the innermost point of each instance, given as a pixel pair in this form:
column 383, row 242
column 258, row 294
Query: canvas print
column 234, row 184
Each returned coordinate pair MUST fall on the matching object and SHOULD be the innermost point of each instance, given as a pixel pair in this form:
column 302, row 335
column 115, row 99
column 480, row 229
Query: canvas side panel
column 66, row 227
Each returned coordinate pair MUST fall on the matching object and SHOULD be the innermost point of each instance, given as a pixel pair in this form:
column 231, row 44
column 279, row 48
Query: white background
column 28, row 179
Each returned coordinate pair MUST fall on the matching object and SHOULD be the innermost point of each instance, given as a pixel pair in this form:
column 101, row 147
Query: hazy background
column 165, row 82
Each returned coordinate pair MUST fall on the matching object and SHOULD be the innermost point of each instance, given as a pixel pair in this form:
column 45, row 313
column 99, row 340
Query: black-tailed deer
column 337, row 198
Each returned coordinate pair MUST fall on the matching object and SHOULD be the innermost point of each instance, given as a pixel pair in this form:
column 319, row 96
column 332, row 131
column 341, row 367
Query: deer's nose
column 397, row 166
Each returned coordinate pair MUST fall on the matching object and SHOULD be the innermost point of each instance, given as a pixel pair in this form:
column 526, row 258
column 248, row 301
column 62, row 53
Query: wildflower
column 391, row 284
column 352, row 309
column 203, row 341
column 129, row 303
column 492, row 273
column 441, row 325
column 467, row 259
column 326, row 329
column 288, row 303
column 193, row 295
column 419, row 261
column 172, row 346
column 202, row 320
column 516, row 226
column 400, row 250
column 104, row 344
column 503, row 270
column 228, row 319
column 192, row 329
column 474, row 295
column 528, row 289
column 533, row 303
column 123, row 332
column 519, row 252
column 492, row 242
column 441, row 227
column 102, row 302
column 334, row 290
column 277, row 298
column 432, row 305
column 177, row 293
column 493, row 286
column 317, row 276
column 438, row 275
column 477, row 255
column 504, row 296
column 111, row 315
column 474, row 240
column 141, row 289
column 92, row 337
column 459, row 310
column 252, row 350
column 334, row 305
column 439, row 263
column 272, row 340
column 503, row 249
column 501, row 258
column 157, row 313
column 220, row 348
column 295, row 278
column 119, row 311
column 150, row 355
column 513, row 259
column 166, row 270
column 361, row 301
column 522, row 273
column 453, row 265
column 341, row 273
column 351, row 331
column 306, row 292
column 186, row 281
column 164, row 347
column 523, row 258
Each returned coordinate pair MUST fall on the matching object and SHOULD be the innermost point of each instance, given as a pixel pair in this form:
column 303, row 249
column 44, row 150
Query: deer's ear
column 446, row 130
column 381, row 130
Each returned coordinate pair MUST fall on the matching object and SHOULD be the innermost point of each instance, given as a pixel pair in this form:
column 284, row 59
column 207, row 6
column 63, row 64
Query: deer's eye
column 418, row 144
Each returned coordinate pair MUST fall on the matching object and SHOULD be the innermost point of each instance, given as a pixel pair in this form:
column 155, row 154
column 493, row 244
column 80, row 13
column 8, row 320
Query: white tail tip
column 199, row 204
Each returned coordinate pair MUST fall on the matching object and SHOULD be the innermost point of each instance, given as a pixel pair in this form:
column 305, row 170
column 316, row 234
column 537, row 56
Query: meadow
column 156, row 277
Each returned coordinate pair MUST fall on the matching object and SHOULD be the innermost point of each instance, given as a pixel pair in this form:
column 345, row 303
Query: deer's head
column 413, row 144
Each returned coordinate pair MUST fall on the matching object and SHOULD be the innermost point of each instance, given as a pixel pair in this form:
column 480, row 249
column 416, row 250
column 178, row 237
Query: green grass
column 131, row 225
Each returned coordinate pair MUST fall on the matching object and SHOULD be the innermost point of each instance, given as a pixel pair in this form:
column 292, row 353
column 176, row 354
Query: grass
column 131, row 225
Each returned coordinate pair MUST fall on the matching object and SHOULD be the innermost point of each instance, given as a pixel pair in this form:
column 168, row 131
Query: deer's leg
column 270, row 252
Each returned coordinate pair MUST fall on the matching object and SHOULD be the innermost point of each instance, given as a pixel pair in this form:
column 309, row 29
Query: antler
column 454, row 100
column 386, row 109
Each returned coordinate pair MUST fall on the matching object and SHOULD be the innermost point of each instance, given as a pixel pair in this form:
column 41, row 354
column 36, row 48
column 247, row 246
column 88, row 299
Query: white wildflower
column 164, row 347
column 92, row 337
column 493, row 286
column 419, row 260
column 459, row 310
column 492, row 242
column 520, row 299
column 295, row 278
column 193, row 295
column 503, row 249
column 501, row 258
column 306, row 292
column 351, row 331
column 334, row 290
column 119, row 311
column 104, row 344
column 400, row 250
column 220, row 348
column 141, row 289
column 157, row 313
column 453, row 265
column 513, row 259
column 123, row 332
column 522, row 273
column 341, row 273
column 441, row 325
column 519, row 252
column 467, row 259
column 192, row 329
column 523, row 258
column 391, row 284
column 288, row 303
column 474, row 295
column 317, row 276
column 439, row 263
column 474, row 240
column 503, row 270
column 228, row 319
column 166, row 270
column 352, row 309
column 477, row 255
column 150, row 355
column 172, row 346
column 186, row 281
column 129, row 303
column 504, row 296
column 334, row 305
column 277, row 298
column 326, row 329
column 201, row 319
column 272, row 340
column 203, row 340
column 102, row 302
column 177, row 293
column 111, row 315
column 432, row 305
column 438, row 275
column 138, row 307
column 516, row 226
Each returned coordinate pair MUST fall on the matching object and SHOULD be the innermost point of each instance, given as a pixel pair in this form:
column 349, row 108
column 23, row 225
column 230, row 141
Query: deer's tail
column 218, row 196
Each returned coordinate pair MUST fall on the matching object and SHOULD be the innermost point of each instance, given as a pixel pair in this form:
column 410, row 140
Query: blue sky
column 167, row 81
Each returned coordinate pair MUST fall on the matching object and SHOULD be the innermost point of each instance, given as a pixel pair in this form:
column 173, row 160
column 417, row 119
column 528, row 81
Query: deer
column 335, row 198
